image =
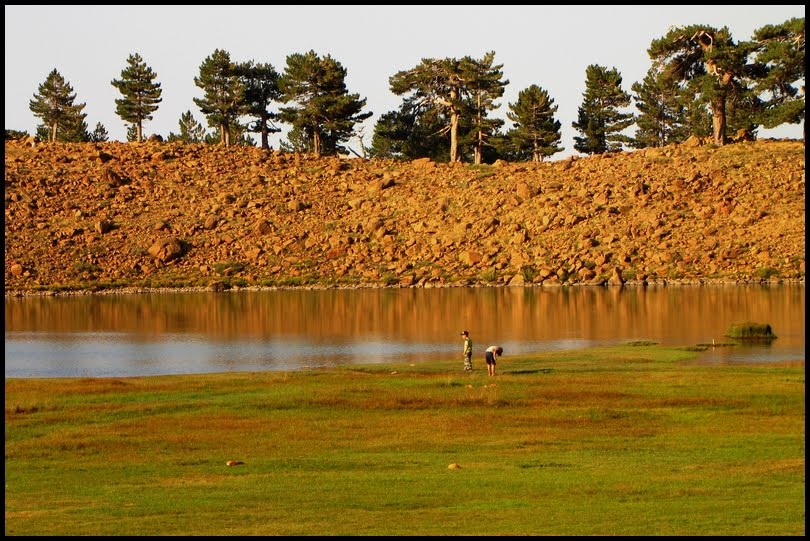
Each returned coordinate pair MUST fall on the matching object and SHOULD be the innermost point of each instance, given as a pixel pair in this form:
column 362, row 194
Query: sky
column 549, row 46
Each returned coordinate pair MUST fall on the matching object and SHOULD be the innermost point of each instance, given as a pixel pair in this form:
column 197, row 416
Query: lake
column 118, row 335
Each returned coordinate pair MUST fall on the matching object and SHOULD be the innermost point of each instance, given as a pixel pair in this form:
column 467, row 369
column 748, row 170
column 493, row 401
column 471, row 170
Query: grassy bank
column 628, row 440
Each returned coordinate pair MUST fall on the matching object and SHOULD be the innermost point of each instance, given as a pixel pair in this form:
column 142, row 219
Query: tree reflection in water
column 166, row 333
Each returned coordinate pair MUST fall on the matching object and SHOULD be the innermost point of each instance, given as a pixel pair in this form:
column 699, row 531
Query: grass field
column 626, row 440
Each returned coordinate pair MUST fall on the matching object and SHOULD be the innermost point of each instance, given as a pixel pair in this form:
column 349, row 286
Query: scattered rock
column 678, row 213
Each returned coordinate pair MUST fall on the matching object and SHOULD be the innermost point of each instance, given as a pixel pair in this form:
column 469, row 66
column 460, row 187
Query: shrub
column 529, row 273
column 489, row 275
column 750, row 331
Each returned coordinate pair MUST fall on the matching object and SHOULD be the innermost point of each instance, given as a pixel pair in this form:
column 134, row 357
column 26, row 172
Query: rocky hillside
column 152, row 215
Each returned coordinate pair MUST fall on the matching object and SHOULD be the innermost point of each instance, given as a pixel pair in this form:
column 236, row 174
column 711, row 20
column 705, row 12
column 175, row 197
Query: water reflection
column 170, row 333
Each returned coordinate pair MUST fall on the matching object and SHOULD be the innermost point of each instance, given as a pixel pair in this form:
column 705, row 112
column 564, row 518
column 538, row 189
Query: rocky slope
column 124, row 215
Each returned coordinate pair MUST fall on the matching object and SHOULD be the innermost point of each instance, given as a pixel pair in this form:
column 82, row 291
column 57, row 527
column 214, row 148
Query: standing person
column 491, row 353
column 467, row 351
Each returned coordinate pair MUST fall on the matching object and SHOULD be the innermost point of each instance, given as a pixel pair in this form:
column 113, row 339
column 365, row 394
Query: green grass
column 630, row 440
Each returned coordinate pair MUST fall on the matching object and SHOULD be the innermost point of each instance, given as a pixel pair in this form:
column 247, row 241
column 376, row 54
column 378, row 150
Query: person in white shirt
column 491, row 353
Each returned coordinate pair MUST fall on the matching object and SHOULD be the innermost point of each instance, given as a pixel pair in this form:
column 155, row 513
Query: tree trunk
column 265, row 141
column 479, row 145
column 54, row 127
column 453, row 135
column 453, row 125
column 719, row 120
column 139, row 131
column 316, row 143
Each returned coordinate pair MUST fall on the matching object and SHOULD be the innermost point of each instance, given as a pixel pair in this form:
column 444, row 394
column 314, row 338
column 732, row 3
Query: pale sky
column 550, row 46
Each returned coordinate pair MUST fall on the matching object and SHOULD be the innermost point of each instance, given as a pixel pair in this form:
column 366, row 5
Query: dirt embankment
column 124, row 215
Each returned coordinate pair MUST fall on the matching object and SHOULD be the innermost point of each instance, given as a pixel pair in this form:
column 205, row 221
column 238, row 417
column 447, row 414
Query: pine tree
column 54, row 104
column 390, row 133
column 708, row 60
column 662, row 106
column 411, row 132
column 536, row 134
column 779, row 59
column 438, row 86
column 297, row 141
column 224, row 100
column 141, row 94
column 100, row 134
column 485, row 84
column 191, row 131
column 599, row 118
column 324, row 110
column 261, row 89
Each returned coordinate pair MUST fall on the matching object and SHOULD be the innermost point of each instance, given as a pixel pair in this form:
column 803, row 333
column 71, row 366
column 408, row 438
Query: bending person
column 491, row 353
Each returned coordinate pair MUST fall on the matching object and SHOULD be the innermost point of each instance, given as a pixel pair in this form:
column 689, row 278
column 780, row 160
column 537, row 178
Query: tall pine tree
column 324, row 110
column 709, row 61
column 141, row 94
column 224, row 100
column 536, row 134
column 437, row 86
column 55, row 106
column 261, row 89
column 662, row 106
column 485, row 84
column 599, row 118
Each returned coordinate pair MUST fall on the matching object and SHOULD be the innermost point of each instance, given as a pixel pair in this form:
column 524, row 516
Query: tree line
column 700, row 82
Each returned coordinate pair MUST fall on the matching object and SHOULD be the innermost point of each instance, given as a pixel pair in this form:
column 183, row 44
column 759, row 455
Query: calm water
column 182, row 333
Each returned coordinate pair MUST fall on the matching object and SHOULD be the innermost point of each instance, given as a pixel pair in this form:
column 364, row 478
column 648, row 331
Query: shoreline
column 135, row 290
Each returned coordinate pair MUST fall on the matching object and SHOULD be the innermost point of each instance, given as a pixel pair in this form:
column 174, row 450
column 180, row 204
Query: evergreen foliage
column 237, row 136
column 224, row 99
column 535, row 133
column 437, row 86
column 711, row 64
column 297, row 141
column 141, row 94
column 743, row 111
column 15, row 134
column 324, row 110
column 260, row 82
column 73, row 132
column 485, row 84
column 191, row 131
column 409, row 133
column 663, row 115
column 55, row 105
column 701, row 83
column 99, row 134
column 132, row 133
column 599, row 119
column 779, row 57
column 76, row 132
